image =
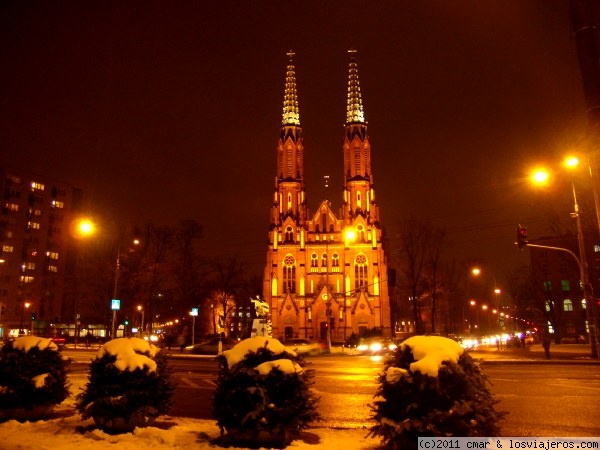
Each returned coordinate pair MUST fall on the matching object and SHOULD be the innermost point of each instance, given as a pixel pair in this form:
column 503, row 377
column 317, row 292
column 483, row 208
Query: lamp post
column 327, row 297
column 194, row 314
column 81, row 228
column 140, row 308
column 541, row 176
column 349, row 237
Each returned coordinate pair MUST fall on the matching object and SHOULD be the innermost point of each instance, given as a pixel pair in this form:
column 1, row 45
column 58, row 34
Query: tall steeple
column 289, row 199
column 354, row 110
column 359, row 195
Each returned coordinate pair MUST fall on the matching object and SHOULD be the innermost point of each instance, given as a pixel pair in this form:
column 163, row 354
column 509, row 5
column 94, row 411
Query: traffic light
column 521, row 236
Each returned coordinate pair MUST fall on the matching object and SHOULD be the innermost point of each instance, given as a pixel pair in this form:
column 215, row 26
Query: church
column 326, row 272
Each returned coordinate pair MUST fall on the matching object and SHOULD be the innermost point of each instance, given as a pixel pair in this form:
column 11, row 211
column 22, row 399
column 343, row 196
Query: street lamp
column 115, row 300
column 140, row 308
column 542, row 177
column 82, row 228
column 349, row 237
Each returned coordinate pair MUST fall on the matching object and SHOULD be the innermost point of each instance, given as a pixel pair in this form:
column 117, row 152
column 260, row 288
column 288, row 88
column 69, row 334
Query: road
column 543, row 399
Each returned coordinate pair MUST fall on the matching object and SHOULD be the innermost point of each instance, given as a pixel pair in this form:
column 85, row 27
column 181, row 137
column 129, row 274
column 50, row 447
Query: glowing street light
column 140, row 308
column 540, row 177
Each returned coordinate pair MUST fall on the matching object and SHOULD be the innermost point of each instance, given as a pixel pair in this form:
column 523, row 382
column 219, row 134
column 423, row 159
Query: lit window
column 548, row 306
column 7, row 248
column 596, row 248
column 583, row 304
column 52, row 269
column 26, row 279
column 52, row 255
column 57, row 204
column 335, row 260
column 289, row 274
column 35, row 185
column 33, row 225
column 30, row 266
column 567, row 305
column 12, row 206
column 566, row 286
column 360, row 272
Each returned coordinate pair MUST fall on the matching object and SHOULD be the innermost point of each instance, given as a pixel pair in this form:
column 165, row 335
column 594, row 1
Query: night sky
column 163, row 111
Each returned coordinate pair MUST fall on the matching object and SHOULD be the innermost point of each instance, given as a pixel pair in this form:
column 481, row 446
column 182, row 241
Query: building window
column 324, row 260
column 335, row 260
column 583, row 304
column 547, row 286
column 26, row 279
column 289, row 234
column 548, row 306
column 289, row 274
column 35, row 185
column 566, row 285
column 360, row 272
column 314, row 260
column 360, row 231
column 7, row 248
column 12, row 207
column 567, row 305
column 52, row 255
column 57, row 204
column 52, row 269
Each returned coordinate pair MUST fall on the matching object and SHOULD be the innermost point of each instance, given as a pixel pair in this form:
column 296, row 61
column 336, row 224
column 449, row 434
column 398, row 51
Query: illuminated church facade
column 325, row 270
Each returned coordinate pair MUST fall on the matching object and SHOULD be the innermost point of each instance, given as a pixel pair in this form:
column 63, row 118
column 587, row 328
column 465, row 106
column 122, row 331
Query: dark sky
column 168, row 110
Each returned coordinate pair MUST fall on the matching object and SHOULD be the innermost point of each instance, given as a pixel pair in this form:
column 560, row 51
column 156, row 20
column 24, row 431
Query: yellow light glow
column 540, row 176
column 84, row 228
column 476, row 271
column 571, row 162
column 350, row 234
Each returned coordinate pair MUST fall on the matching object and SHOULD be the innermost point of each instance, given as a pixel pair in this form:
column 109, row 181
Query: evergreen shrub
column 33, row 378
column 129, row 385
column 411, row 404
column 259, row 401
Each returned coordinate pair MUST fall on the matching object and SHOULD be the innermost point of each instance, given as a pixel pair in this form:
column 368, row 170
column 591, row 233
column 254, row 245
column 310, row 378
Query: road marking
column 206, row 381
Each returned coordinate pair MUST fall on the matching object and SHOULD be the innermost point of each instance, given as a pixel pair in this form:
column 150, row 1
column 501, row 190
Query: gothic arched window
column 361, row 233
column 360, row 272
column 289, row 274
column 289, row 234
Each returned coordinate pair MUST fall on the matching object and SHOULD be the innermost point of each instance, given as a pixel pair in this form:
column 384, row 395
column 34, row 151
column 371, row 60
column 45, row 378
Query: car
column 304, row 346
column 376, row 346
column 59, row 340
column 211, row 346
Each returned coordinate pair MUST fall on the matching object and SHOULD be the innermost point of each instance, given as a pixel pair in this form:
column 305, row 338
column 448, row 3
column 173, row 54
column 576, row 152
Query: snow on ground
column 67, row 431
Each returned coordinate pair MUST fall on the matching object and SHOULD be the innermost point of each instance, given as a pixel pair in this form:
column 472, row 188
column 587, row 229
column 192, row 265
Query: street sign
column 194, row 312
column 115, row 304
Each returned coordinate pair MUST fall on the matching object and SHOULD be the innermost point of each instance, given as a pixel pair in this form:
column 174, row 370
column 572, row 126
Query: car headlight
column 376, row 347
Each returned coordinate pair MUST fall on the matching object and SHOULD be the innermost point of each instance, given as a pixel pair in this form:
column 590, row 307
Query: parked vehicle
column 211, row 346
column 305, row 346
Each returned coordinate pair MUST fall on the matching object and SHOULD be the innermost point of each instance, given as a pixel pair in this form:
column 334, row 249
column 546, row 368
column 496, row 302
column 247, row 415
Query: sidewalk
column 561, row 353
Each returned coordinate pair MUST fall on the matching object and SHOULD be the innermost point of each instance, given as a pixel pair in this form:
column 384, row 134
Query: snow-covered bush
column 129, row 385
column 33, row 378
column 263, row 396
column 431, row 387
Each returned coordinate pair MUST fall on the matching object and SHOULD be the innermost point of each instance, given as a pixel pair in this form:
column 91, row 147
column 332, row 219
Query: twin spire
column 354, row 108
column 291, row 114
